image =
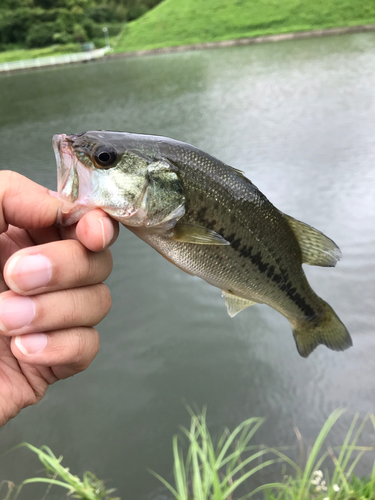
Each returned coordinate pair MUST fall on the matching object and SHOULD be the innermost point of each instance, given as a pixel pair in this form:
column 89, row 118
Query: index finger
column 25, row 204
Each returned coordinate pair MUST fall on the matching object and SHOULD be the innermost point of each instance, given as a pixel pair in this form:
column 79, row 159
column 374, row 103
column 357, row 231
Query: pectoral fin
column 235, row 304
column 316, row 248
column 199, row 235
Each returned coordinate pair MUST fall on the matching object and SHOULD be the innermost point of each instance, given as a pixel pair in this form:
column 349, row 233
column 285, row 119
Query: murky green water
column 299, row 118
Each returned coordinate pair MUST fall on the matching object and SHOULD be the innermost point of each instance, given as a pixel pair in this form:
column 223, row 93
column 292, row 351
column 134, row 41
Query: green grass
column 89, row 488
column 216, row 472
column 21, row 54
column 208, row 469
column 177, row 22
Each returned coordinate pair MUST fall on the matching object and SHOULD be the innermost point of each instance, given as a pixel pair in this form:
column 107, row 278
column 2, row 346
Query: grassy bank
column 22, row 54
column 207, row 469
column 174, row 22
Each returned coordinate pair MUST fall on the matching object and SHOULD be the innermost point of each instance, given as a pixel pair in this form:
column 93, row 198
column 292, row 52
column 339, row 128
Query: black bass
column 205, row 217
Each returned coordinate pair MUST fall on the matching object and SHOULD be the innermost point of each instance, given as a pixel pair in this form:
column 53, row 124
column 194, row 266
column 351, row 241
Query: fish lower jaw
column 69, row 213
column 129, row 217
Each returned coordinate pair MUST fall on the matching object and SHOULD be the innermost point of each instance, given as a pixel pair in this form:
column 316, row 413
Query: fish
column 205, row 217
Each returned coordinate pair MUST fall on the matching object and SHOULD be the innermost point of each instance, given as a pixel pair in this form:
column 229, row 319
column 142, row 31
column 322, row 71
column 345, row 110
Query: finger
column 25, row 204
column 11, row 242
column 96, row 230
column 85, row 306
column 66, row 351
column 59, row 265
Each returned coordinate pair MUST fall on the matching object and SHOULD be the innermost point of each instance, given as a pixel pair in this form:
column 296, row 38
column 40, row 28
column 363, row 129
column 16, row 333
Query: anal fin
column 235, row 304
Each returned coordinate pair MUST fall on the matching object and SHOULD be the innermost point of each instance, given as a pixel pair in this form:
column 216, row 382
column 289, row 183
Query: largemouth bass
column 205, row 217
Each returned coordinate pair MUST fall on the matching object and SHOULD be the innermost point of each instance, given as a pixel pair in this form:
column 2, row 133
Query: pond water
column 298, row 118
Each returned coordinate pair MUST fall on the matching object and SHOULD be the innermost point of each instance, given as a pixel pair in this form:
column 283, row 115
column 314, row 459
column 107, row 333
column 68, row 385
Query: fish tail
column 327, row 329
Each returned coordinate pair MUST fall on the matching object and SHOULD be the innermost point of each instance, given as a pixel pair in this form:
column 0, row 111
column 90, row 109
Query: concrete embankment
column 42, row 62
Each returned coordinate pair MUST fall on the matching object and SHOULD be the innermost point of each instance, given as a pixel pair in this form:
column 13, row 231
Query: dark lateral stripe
column 280, row 279
column 298, row 300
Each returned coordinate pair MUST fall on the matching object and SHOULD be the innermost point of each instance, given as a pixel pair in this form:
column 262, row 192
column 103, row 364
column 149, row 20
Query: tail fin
column 327, row 330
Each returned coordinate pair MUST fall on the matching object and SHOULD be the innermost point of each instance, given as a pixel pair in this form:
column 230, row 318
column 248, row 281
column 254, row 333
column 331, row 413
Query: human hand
column 51, row 291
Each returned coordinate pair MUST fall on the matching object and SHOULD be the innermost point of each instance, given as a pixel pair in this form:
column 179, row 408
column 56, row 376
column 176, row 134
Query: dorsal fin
column 235, row 304
column 238, row 171
column 241, row 174
column 317, row 249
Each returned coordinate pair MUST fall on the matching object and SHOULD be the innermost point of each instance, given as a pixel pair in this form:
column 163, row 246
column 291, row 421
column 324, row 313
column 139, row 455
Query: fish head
column 99, row 170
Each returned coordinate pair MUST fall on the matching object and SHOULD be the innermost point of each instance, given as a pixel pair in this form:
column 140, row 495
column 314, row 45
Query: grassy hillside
column 180, row 22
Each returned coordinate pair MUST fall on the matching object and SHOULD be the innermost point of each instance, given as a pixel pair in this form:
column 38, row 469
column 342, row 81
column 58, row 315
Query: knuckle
column 69, row 314
column 109, row 258
column 65, row 315
column 86, row 347
column 8, row 177
column 100, row 265
column 80, row 261
column 80, row 345
column 105, row 298
column 88, row 267
column 6, row 180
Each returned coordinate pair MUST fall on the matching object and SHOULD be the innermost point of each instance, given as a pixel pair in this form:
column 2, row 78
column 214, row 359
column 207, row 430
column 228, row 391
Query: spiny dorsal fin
column 241, row 174
column 199, row 235
column 238, row 171
column 317, row 249
column 234, row 303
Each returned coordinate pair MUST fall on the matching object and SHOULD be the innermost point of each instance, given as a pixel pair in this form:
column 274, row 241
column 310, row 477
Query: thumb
column 25, row 204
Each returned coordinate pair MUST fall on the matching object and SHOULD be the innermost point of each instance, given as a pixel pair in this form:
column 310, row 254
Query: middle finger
column 85, row 306
column 58, row 265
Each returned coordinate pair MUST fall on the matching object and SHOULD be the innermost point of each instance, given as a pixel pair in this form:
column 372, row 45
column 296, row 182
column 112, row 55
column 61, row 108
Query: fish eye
column 105, row 156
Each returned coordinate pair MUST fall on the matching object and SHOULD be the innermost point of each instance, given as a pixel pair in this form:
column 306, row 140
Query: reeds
column 218, row 470
column 89, row 488
column 212, row 472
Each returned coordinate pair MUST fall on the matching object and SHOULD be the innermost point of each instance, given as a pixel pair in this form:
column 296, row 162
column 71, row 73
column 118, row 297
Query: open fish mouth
column 66, row 171
column 72, row 207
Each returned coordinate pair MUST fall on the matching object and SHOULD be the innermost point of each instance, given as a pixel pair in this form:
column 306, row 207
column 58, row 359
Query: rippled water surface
column 299, row 118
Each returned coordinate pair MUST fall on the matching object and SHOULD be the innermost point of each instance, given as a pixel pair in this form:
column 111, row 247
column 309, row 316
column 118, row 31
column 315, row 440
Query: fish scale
column 232, row 268
column 208, row 219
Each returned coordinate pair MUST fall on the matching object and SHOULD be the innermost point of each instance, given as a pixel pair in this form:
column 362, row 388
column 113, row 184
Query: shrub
column 41, row 35
column 101, row 14
column 79, row 34
column 15, row 24
column 136, row 11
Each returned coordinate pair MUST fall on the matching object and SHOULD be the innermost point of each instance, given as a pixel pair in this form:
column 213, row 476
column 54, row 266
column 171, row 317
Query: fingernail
column 31, row 343
column 28, row 273
column 16, row 312
column 107, row 230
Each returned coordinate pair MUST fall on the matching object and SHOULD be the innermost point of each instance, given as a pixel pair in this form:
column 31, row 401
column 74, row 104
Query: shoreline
column 294, row 35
